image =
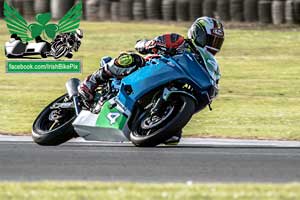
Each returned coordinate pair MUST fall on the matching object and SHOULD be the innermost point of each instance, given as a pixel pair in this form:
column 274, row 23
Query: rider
column 206, row 33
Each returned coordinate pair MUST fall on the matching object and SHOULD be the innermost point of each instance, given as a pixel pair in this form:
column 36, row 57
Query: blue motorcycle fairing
column 158, row 72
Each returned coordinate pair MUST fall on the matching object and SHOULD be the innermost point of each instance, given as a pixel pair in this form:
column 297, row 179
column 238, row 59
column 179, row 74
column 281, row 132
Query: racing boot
column 175, row 139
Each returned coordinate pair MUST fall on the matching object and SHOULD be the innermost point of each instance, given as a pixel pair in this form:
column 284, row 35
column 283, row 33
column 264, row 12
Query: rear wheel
column 54, row 126
column 150, row 129
column 44, row 52
column 69, row 55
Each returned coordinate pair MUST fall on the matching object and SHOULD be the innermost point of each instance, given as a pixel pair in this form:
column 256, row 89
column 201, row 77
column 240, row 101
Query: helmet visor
column 214, row 41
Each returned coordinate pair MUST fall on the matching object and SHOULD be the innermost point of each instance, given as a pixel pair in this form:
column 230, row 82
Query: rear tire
column 43, row 55
column 56, row 136
column 69, row 55
column 44, row 52
column 180, row 115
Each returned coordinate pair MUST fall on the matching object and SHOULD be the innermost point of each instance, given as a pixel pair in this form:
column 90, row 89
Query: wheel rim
column 53, row 119
column 155, row 120
column 60, row 51
column 146, row 126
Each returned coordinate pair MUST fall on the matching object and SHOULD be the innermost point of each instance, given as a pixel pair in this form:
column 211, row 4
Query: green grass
column 130, row 191
column 259, row 95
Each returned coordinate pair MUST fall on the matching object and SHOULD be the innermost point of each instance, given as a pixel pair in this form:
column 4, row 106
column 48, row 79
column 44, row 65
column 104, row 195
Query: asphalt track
column 193, row 160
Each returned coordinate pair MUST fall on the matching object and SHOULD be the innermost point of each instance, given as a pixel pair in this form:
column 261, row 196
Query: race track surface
column 26, row 161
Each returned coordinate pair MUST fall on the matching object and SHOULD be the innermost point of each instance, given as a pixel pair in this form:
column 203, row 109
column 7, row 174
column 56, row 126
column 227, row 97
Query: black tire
column 44, row 51
column 58, row 135
column 43, row 54
column 10, row 56
column 60, row 51
column 181, row 114
column 69, row 55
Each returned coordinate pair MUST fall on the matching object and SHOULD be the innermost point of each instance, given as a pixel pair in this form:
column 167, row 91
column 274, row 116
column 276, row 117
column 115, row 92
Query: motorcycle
column 146, row 107
column 64, row 45
column 15, row 48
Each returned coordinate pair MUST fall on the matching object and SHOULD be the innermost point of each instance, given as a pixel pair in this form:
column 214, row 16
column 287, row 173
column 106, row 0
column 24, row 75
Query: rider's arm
column 164, row 44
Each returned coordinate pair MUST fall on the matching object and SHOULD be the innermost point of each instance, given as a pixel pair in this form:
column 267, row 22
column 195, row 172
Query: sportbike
column 146, row 107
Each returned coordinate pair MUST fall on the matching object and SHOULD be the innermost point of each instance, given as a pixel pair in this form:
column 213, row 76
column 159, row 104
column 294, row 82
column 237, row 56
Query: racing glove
column 140, row 46
column 85, row 93
column 152, row 47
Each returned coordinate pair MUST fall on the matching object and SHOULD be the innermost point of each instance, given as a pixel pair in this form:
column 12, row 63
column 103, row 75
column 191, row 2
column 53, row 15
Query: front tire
column 149, row 135
column 55, row 135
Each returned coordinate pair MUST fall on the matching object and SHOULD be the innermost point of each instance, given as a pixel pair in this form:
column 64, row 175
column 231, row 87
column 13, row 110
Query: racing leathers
column 126, row 63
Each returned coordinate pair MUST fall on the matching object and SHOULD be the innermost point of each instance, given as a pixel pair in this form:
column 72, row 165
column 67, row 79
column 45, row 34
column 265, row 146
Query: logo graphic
column 43, row 38
column 16, row 24
column 51, row 40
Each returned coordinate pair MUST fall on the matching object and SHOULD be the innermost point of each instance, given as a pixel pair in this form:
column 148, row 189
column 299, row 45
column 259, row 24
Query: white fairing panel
column 31, row 48
column 85, row 126
column 36, row 46
column 10, row 45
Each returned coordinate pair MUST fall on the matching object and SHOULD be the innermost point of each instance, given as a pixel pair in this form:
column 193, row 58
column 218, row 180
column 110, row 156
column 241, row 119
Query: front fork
column 160, row 103
column 72, row 88
column 76, row 105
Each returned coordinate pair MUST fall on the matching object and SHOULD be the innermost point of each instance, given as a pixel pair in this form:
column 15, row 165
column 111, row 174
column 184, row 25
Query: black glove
column 86, row 95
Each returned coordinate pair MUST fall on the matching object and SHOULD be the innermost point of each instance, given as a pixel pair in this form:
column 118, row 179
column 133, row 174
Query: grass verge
column 259, row 95
column 123, row 191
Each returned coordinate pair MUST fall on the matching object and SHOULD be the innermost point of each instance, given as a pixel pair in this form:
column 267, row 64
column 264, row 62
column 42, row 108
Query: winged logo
column 16, row 23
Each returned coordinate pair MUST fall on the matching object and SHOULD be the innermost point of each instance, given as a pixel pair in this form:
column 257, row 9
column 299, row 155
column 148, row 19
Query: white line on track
column 199, row 142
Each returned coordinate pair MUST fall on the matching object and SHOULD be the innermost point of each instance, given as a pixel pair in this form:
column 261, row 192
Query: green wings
column 71, row 21
column 15, row 23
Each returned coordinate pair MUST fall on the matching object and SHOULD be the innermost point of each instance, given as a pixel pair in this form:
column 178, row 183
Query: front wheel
column 150, row 129
column 54, row 126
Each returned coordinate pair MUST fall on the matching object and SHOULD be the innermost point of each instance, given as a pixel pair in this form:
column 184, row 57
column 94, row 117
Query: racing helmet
column 208, row 33
column 79, row 33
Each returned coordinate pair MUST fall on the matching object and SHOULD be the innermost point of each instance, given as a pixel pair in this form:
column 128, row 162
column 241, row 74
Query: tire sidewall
column 56, row 136
column 174, row 125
